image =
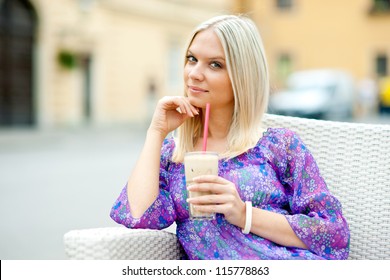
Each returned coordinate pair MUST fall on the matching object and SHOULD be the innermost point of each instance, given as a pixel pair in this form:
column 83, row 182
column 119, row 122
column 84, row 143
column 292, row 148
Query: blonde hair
column 248, row 73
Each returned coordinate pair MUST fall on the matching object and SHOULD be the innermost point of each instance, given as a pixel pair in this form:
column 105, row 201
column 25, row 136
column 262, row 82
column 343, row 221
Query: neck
column 219, row 126
column 219, row 123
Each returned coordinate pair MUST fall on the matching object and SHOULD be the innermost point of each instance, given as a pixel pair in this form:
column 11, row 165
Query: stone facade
column 301, row 34
column 108, row 61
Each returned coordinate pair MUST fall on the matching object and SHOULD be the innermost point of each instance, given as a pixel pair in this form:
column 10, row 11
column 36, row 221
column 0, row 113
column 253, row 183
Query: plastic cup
column 196, row 164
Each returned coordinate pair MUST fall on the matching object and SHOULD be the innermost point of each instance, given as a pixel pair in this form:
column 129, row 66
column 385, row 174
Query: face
column 205, row 73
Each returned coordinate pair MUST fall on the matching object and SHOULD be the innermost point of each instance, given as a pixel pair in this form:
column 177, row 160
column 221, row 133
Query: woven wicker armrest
column 115, row 243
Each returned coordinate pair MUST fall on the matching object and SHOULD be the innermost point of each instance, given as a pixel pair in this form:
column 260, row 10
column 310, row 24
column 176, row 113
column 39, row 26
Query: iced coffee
column 196, row 164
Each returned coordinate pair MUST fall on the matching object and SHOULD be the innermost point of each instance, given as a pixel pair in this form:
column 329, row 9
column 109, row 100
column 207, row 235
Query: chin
column 197, row 102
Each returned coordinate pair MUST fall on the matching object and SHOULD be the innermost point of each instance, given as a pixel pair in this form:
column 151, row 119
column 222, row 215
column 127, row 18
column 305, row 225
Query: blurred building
column 352, row 35
column 70, row 62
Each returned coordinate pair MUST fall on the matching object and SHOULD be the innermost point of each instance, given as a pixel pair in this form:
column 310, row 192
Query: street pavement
column 56, row 180
column 53, row 181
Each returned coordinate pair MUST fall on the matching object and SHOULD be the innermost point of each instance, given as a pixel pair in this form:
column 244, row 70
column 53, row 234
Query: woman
column 294, row 216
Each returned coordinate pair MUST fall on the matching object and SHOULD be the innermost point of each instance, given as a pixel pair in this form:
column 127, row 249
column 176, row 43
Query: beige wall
column 134, row 42
column 318, row 34
column 131, row 43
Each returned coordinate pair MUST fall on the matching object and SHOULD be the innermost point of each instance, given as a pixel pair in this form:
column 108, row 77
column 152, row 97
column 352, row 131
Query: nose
column 196, row 72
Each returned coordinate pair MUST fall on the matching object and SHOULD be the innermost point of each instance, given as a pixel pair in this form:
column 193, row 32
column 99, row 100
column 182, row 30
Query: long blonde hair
column 248, row 72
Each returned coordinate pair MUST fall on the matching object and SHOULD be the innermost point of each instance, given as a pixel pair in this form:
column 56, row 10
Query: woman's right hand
column 167, row 117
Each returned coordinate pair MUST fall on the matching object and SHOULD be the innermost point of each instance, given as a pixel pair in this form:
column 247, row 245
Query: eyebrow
column 210, row 58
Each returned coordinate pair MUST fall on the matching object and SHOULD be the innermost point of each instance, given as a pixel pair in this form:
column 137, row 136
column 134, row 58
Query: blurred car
column 319, row 93
column 384, row 95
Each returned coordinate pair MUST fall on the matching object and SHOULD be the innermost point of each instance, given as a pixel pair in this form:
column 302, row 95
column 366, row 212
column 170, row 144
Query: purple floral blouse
column 279, row 174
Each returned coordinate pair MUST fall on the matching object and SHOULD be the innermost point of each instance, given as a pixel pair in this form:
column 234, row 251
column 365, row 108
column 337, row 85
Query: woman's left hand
column 223, row 199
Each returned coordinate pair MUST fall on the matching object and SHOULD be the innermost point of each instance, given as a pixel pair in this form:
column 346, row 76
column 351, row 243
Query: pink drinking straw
column 206, row 127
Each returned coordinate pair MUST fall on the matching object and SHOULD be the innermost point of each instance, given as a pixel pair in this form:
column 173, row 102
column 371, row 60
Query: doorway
column 17, row 33
column 85, row 62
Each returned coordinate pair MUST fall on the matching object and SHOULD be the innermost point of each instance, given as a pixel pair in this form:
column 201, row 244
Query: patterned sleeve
column 161, row 213
column 316, row 217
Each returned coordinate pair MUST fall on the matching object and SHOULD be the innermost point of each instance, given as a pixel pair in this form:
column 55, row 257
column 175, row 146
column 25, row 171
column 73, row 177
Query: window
column 380, row 6
column 175, row 63
column 284, row 4
column 284, row 67
column 381, row 65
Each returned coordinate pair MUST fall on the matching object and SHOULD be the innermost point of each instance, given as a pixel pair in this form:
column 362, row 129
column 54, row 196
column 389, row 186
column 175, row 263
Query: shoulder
column 282, row 139
column 280, row 135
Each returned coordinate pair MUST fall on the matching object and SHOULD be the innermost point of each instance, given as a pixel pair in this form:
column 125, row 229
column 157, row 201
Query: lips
column 196, row 89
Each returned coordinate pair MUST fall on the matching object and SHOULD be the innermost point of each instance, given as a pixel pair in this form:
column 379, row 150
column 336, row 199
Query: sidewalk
column 52, row 181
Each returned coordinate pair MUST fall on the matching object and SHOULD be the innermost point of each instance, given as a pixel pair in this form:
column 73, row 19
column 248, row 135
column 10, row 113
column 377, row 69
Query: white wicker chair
column 353, row 159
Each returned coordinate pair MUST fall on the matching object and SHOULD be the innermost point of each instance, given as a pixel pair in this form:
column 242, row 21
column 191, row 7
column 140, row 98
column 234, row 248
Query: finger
column 181, row 109
column 207, row 187
column 179, row 103
column 212, row 208
column 202, row 187
column 169, row 101
column 210, row 179
column 194, row 110
column 216, row 180
column 210, row 199
column 172, row 102
column 204, row 209
column 187, row 107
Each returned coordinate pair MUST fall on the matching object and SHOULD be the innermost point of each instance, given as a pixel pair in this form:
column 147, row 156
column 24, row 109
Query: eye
column 191, row 58
column 216, row 64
